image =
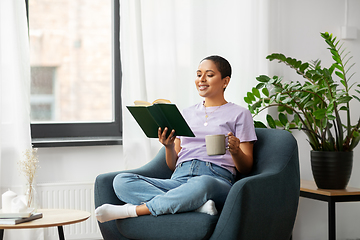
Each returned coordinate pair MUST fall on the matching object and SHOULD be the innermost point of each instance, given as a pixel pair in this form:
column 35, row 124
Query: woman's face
column 208, row 80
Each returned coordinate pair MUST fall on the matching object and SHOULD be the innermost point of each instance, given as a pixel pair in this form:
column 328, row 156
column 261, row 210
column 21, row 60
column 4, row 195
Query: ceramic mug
column 216, row 144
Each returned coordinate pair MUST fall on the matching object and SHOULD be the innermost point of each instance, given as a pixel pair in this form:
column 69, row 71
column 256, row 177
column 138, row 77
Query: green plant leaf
column 251, row 97
column 354, row 141
column 343, row 82
column 330, row 107
column 263, row 78
column 337, row 59
column 296, row 119
column 309, row 104
column 281, row 108
column 256, row 92
column 299, row 126
column 303, row 67
column 297, row 64
column 256, row 105
column 278, row 123
column 338, row 67
column 334, row 52
column 311, row 87
column 331, row 117
column 283, row 119
column 287, row 100
column 344, row 99
column 260, row 85
column 247, row 100
column 356, row 133
column 287, row 126
column 277, row 89
column 265, row 91
column 291, row 61
column 272, row 99
column 289, row 110
column 277, row 56
column 270, row 121
column 320, row 113
column 339, row 74
column 259, row 124
column 305, row 99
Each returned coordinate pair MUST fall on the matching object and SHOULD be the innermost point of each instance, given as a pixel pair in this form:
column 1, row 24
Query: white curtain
column 14, row 100
column 162, row 43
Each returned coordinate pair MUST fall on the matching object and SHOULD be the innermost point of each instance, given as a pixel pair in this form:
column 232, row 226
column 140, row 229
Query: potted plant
column 320, row 106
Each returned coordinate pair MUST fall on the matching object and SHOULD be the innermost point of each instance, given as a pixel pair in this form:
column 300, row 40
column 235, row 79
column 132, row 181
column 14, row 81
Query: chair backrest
column 272, row 145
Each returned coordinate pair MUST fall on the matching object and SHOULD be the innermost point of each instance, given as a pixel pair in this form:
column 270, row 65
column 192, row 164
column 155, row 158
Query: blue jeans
column 190, row 186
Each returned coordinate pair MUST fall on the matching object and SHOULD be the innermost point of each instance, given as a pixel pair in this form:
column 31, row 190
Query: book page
column 145, row 103
column 141, row 103
column 161, row 101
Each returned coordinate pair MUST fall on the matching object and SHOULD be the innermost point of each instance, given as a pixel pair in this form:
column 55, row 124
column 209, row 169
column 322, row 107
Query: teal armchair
column 261, row 205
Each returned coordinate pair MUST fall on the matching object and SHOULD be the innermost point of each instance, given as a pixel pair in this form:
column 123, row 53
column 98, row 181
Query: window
column 75, row 72
column 42, row 99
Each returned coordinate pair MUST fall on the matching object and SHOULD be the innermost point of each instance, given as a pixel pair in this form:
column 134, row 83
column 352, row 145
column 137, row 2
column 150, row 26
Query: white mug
column 215, row 144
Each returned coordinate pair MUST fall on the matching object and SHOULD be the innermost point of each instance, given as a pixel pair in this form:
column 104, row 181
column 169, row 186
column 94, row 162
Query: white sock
column 208, row 207
column 108, row 212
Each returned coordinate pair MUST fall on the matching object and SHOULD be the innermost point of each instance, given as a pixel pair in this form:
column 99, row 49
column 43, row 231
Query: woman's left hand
column 233, row 144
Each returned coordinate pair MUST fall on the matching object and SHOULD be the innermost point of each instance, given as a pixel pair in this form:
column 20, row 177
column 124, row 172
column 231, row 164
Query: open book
column 162, row 114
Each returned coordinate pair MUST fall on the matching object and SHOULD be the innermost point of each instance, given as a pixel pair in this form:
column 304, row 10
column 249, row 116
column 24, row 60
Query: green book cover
column 150, row 118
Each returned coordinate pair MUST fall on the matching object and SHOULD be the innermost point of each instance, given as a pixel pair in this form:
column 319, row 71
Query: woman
column 199, row 182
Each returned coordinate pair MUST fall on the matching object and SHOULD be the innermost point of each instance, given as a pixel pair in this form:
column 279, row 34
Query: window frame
column 87, row 133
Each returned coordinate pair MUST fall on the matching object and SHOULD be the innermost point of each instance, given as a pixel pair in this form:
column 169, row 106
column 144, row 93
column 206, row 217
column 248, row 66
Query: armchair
column 261, row 205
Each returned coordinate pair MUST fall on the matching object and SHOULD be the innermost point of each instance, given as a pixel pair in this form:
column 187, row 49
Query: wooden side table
column 51, row 218
column 308, row 189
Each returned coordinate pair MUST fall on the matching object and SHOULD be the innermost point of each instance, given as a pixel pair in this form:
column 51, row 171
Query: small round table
column 51, row 218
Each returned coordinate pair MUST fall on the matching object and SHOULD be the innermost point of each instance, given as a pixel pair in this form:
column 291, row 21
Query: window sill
column 75, row 141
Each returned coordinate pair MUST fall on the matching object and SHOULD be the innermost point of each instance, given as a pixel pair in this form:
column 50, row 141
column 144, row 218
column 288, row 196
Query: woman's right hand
column 166, row 141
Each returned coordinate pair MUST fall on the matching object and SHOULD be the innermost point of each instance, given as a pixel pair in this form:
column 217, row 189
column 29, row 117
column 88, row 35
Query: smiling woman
column 213, row 76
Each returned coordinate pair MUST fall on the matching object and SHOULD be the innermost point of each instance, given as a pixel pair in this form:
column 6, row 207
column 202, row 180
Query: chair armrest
column 104, row 192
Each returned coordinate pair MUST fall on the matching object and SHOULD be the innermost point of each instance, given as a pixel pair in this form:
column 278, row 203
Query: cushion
column 187, row 226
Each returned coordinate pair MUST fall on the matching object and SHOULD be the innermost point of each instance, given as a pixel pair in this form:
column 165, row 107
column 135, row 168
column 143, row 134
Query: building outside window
column 75, row 66
column 42, row 91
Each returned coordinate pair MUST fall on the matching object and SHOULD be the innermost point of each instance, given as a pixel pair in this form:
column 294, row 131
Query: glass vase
column 31, row 197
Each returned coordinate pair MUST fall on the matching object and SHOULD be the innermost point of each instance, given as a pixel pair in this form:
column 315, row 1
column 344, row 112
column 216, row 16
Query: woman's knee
column 211, row 186
column 121, row 183
column 205, row 182
column 122, row 178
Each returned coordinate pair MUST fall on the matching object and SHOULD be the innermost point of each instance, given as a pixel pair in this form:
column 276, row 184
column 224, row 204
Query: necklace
column 208, row 114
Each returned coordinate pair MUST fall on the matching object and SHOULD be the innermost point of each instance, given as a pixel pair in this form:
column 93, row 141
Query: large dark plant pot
column 331, row 170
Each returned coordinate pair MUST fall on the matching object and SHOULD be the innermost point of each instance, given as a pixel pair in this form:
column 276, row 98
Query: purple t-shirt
column 221, row 120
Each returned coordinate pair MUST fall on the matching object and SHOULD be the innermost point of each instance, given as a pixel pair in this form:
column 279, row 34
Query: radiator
column 78, row 196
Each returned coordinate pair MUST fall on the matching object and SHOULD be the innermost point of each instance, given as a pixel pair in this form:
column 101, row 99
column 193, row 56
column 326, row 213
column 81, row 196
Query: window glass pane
column 71, row 60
